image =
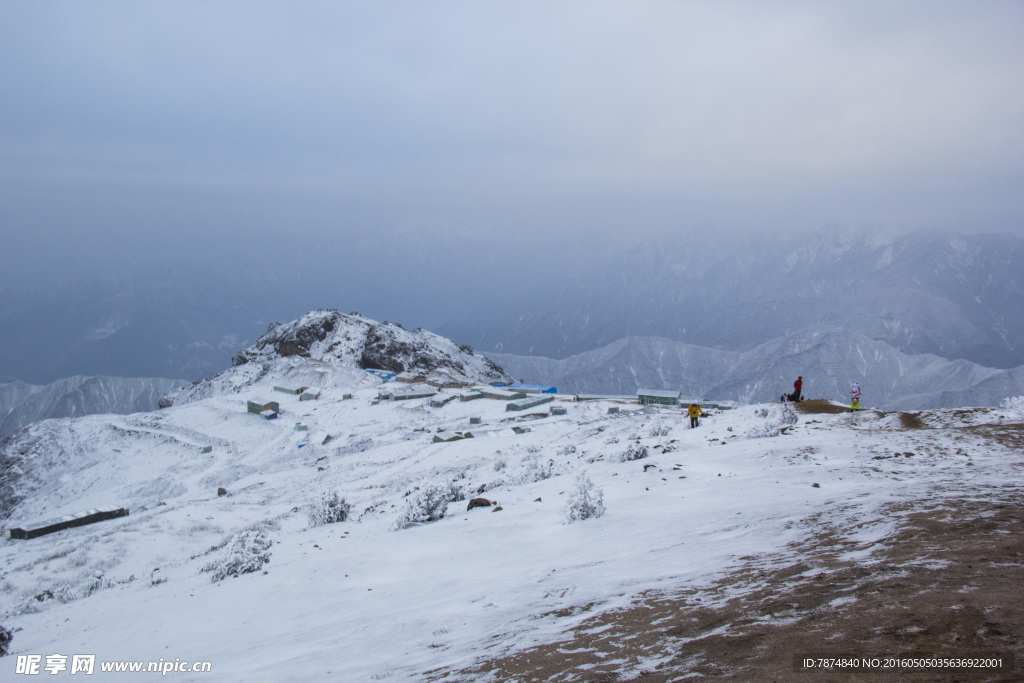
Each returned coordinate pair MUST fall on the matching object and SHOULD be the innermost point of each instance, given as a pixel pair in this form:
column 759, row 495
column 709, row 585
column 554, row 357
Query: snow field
column 359, row 600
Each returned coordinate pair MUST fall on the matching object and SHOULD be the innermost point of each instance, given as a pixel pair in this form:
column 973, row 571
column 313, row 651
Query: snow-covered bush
column 94, row 584
column 535, row 471
column 5, row 641
column 1014, row 404
column 248, row 551
column 585, row 500
column 330, row 508
column 529, row 470
column 428, row 504
column 776, row 418
column 634, row 452
column 659, row 430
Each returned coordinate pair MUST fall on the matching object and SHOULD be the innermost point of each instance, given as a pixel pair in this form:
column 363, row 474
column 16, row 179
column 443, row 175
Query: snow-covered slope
column 327, row 349
column 388, row 595
column 829, row 359
column 22, row 404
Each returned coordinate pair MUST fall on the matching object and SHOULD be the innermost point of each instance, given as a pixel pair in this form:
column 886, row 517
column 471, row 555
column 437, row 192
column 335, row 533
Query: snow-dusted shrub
column 567, row 450
column 70, row 591
column 428, row 504
column 95, row 584
column 585, row 500
column 248, row 551
column 776, row 418
column 530, row 470
column 1015, row 404
column 659, row 430
column 634, row 452
column 360, row 446
column 328, row 509
column 5, row 641
column 536, row 471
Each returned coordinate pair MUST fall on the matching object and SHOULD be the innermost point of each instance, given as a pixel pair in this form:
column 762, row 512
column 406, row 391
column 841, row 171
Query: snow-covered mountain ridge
column 828, row 358
column 22, row 404
column 325, row 348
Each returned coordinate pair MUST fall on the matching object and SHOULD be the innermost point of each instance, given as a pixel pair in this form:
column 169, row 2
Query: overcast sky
column 155, row 129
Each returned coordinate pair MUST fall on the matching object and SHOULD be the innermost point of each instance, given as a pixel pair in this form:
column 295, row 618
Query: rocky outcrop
column 345, row 342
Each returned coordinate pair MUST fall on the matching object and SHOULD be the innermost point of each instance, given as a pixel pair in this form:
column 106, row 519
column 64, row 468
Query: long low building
column 604, row 397
column 66, row 522
column 526, row 403
column 658, row 397
column 533, row 388
column 499, row 394
column 288, row 389
column 412, row 392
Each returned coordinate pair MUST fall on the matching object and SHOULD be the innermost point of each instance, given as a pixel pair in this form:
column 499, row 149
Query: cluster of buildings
column 518, row 395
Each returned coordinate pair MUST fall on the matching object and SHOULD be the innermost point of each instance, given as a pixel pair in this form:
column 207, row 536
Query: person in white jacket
column 855, row 397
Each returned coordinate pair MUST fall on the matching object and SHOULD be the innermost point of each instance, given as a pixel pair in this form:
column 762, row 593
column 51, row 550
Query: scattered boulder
column 479, row 503
column 5, row 641
column 222, row 491
column 497, row 508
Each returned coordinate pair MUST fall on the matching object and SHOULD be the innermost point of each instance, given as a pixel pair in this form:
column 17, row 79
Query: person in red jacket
column 797, row 386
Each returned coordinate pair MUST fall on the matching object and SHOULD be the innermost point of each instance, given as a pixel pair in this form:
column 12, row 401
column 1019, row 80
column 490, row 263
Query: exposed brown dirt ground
column 949, row 581
column 821, row 406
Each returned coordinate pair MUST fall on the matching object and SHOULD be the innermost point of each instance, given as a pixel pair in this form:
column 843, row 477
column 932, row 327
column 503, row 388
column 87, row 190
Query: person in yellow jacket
column 694, row 412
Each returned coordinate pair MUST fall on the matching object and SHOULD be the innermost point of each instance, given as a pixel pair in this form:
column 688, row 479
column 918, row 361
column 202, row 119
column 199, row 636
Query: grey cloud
column 165, row 127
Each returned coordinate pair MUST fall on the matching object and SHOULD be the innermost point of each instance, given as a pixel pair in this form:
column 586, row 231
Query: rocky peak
column 347, row 342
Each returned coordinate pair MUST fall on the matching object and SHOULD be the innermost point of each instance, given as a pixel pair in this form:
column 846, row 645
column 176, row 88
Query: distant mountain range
column 22, row 404
column 829, row 359
column 956, row 296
